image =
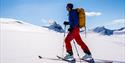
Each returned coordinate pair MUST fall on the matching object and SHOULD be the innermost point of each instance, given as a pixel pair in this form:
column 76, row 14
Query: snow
column 22, row 42
column 17, row 25
column 107, row 47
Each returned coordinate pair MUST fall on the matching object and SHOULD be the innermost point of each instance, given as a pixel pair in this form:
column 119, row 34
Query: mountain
column 54, row 26
column 123, row 28
column 22, row 42
column 104, row 31
column 119, row 31
column 18, row 25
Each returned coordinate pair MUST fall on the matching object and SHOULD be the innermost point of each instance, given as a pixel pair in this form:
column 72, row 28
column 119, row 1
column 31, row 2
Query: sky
column 108, row 13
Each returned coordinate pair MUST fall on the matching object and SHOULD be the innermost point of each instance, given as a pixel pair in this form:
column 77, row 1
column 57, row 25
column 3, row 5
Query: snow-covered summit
column 54, row 26
column 119, row 31
column 104, row 31
column 7, row 20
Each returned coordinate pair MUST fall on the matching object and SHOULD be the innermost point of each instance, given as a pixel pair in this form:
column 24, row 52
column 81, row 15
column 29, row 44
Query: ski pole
column 85, row 31
column 64, row 30
column 77, row 50
column 63, row 41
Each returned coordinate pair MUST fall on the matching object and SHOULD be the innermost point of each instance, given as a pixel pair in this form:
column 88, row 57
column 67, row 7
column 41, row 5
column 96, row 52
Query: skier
column 74, row 34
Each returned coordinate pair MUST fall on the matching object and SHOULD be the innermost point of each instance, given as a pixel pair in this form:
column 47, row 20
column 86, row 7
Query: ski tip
column 58, row 56
column 40, row 57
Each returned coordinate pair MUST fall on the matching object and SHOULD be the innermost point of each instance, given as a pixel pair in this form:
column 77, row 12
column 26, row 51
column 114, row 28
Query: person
column 74, row 34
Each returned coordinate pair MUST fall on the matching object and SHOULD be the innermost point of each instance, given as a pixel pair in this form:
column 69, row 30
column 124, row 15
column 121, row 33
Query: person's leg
column 68, row 39
column 68, row 44
column 80, row 42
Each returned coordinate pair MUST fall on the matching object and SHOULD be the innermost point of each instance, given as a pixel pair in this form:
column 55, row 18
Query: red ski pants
column 75, row 35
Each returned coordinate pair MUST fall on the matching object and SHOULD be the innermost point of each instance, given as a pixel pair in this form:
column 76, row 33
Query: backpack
column 81, row 17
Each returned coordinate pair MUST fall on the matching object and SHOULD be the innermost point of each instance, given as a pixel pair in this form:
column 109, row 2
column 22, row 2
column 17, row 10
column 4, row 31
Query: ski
column 58, row 58
column 40, row 57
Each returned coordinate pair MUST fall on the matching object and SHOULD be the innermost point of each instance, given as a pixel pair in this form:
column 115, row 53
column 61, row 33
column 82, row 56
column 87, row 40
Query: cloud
column 93, row 13
column 117, row 22
column 43, row 20
column 50, row 21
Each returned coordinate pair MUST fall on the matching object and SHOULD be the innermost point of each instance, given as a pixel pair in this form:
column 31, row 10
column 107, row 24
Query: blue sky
column 109, row 13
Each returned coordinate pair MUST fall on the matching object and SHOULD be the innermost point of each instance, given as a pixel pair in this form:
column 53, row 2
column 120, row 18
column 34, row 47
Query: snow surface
column 22, row 42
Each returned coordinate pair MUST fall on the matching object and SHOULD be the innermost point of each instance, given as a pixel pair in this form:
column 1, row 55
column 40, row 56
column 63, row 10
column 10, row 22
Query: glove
column 66, row 23
column 70, row 29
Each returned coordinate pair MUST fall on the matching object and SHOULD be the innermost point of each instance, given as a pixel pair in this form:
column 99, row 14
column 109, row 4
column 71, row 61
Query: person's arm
column 75, row 19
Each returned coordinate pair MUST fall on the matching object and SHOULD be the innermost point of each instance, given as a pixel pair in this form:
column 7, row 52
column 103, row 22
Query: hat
column 70, row 5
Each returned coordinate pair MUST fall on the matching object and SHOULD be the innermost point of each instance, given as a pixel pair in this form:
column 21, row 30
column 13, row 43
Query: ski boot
column 88, row 58
column 69, row 58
